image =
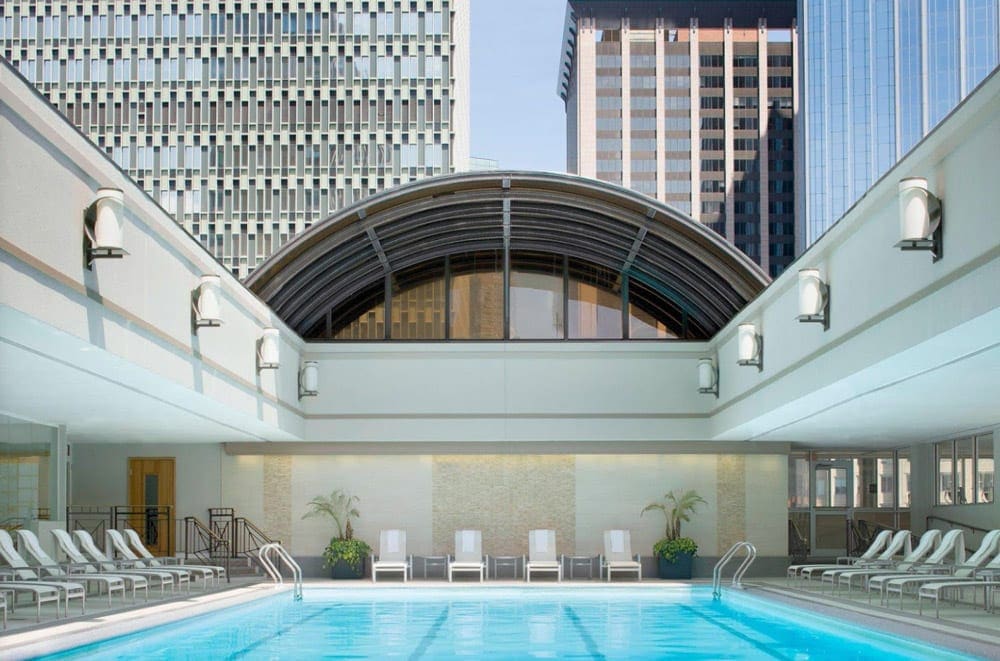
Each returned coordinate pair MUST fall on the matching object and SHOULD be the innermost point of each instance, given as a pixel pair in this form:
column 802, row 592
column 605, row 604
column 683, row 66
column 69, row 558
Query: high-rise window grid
column 720, row 93
column 878, row 77
column 251, row 121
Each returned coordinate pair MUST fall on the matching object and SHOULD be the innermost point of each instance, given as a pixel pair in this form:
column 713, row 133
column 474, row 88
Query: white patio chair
column 542, row 554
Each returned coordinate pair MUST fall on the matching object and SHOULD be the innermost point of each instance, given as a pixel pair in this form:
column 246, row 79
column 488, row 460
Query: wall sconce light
column 267, row 350
column 814, row 298
column 103, row 224
column 708, row 377
column 749, row 346
column 920, row 226
column 309, row 379
column 206, row 306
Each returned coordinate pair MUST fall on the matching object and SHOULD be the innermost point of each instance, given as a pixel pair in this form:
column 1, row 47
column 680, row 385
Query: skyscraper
column 250, row 120
column 877, row 76
column 692, row 103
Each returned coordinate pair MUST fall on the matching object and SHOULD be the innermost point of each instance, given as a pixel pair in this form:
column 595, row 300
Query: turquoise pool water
column 510, row 623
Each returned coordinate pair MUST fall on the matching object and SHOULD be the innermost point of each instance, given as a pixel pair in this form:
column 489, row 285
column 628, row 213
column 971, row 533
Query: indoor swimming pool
column 508, row 623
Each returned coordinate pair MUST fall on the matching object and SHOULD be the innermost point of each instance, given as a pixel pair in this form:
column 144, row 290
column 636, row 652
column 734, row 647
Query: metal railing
column 740, row 571
column 955, row 524
column 154, row 524
column 264, row 553
column 245, row 537
column 94, row 520
column 204, row 544
column 860, row 533
column 249, row 537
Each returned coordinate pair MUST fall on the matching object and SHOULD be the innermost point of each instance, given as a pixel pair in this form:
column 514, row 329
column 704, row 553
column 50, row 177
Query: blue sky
column 517, row 117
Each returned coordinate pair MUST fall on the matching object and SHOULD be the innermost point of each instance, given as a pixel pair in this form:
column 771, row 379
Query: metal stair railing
column 751, row 555
column 263, row 554
column 200, row 539
column 249, row 537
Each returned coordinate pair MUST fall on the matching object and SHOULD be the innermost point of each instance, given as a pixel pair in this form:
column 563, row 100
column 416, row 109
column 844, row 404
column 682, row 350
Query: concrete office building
column 876, row 77
column 692, row 103
column 249, row 121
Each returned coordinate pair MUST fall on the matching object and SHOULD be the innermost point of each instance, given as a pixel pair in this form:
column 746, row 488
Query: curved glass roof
column 348, row 261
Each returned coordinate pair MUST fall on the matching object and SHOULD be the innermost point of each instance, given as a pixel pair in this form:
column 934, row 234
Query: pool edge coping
column 87, row 630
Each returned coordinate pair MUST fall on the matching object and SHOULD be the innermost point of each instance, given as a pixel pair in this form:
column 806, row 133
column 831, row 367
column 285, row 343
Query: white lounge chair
column 205, row 571
column 86, row 543
column 951, row 544
column 924, row 548
column 42, row 594
column 939, row 589
column 899, row 544
column 963, row 569
column 392, row 555
column 542, row 554
column 468, row 554
column 80, row 561
column 618, row 554
column 119, row 546
column 25, row 574
column 879, row 543
column 29, row 543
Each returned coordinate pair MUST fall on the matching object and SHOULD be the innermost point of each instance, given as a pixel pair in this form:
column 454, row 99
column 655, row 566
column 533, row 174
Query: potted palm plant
column 345, row 555
column 674, row 553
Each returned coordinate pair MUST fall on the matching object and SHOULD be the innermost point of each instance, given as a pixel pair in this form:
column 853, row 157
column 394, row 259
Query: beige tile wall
column 731, row 500
column 505, row 496
column 579, row 496
column 277, row 498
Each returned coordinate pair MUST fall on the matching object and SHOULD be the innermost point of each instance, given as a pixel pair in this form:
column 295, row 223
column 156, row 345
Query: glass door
column 832, row 486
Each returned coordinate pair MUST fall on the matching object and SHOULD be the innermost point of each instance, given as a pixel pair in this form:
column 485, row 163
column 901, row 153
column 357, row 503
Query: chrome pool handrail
column 751, row 555
column 272, row 569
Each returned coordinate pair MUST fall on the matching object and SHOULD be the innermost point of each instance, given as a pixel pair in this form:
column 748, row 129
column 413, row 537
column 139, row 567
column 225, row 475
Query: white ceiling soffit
column 53, row 378
column 940, row 388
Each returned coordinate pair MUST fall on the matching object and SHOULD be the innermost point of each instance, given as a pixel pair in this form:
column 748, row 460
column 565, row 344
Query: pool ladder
column 751, row 551
column 271, row 567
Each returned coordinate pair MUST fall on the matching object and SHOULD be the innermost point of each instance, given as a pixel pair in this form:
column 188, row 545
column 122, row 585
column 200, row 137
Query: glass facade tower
column 691, row 103
column 249, row 121
column 877, row 76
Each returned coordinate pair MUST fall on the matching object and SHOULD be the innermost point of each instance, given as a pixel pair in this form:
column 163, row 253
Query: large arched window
column 464, row 297
column 507, row 256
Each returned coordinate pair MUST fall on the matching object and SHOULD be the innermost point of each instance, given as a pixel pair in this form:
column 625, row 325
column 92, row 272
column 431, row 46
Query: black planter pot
column 342, row 570
column 680, row 567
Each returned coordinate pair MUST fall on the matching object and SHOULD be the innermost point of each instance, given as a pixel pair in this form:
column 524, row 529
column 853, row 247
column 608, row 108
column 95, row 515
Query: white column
column 58, row 475
column 586, row 99
column 695, row 134
column 762, row 146
column 727, row 74
column 626, row 105
column 661, row 143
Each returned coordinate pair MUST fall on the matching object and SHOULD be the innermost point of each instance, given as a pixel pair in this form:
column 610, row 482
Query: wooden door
column 151, row 501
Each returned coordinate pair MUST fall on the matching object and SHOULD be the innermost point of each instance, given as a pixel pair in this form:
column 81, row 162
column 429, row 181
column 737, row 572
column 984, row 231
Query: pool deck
column 963, row 627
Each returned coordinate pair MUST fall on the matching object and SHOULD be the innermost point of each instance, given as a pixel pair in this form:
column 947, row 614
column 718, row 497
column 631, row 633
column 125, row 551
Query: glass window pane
column 985, row 475
column 651, row 315
column 476, row 296
column 798, row 481
column 364, row 319
column 903, row 483
column 418, row 303
column 965, row 483
column 536, row 297
column 595, row 307
column 945, row 472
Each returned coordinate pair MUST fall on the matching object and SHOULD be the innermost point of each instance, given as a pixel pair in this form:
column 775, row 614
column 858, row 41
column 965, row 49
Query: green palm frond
column 339, row 506
column 676, row 509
